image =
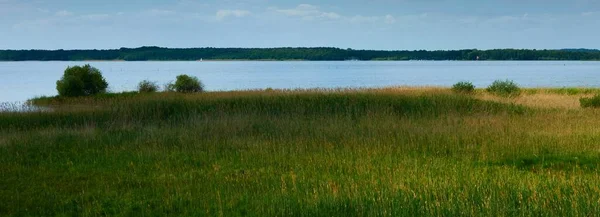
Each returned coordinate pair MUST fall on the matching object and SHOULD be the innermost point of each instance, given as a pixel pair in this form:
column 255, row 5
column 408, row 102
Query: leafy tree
column 81, row 81
column 187, row 84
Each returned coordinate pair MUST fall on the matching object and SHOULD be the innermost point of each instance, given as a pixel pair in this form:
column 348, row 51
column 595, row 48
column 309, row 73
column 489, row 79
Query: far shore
column 296, row 60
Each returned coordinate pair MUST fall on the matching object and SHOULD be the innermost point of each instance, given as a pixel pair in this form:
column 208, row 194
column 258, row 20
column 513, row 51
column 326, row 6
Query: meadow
column 400, row 151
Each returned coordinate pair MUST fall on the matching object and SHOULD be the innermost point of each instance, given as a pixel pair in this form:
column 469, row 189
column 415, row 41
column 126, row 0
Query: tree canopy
column 315, row 54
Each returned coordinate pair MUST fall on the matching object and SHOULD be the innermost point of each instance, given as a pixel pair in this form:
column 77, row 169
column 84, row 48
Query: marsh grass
column 344, row 152
column 562, row 91
column 590, row 102
column 464, row 87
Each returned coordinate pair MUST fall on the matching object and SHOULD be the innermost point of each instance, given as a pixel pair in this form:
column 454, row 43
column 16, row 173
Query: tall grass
column 298, row 153
column 591, row 102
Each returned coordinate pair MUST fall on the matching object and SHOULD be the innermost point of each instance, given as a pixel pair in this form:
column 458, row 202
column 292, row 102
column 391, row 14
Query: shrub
column 504, row 88
column 186, row 84
column 81, row 81
column 146, row 86
column 169, row 87
column 592, row 102
column 463, row 87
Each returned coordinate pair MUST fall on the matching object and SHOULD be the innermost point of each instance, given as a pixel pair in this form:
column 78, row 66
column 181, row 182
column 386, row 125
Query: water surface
column 20, row 81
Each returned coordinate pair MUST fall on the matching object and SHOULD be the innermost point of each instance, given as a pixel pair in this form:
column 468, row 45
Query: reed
column 345, row 152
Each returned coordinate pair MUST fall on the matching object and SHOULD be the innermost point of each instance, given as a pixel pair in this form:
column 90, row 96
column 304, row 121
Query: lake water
column 20, row 81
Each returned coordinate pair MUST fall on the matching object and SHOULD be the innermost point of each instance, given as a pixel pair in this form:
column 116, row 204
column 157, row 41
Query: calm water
column 20, row 81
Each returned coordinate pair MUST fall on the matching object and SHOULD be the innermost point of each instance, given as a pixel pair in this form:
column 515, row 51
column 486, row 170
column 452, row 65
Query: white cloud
column 223, row 14
column 313, row 12
column 389, row 19
column 308, row 12
column 362, row 19
column 64, row 13
column 301, row 10
column 330, row 15
column 42, row 10
column 589, row 13
column 96, row 17
column 159, row 12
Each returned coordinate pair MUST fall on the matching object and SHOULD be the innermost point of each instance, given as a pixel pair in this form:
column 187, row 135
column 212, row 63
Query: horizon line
column 316, row 47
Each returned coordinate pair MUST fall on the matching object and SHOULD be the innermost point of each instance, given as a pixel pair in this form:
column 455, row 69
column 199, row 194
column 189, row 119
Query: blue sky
column 359, row 24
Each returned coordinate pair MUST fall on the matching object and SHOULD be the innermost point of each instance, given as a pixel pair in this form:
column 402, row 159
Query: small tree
column 463, row 87
column 146, row 86
column 187, row 84
column 81, row 81
column 505, row 88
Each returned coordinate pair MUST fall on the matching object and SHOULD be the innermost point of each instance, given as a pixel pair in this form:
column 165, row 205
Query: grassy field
column 366, row 152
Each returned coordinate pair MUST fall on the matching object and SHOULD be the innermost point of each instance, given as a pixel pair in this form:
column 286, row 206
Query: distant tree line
column 319, row 53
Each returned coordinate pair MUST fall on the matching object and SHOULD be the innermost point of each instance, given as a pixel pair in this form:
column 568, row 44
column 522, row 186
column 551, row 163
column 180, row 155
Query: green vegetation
column 464, row 87
column 591, row 102
column 186, row 84
column 318, row 53
column 81, row 81
column 146, row 86
column 505, row 88
column 381, row 152
column 563, row 90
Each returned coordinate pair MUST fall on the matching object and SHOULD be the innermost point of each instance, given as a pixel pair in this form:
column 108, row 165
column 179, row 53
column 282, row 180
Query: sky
column 357, row 24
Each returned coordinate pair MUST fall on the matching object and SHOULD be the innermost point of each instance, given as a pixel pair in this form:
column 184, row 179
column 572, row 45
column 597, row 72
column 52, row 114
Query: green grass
column 590, row 102
column 563, row 90
column 298, row 153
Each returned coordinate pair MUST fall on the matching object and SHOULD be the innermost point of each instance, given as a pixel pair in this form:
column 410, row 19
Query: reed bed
column 344, row 152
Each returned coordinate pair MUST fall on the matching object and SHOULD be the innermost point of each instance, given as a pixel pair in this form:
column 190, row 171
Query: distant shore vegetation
column 311, row 54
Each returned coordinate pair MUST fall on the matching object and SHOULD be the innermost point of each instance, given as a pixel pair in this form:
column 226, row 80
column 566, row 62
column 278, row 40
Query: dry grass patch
column 539, row 100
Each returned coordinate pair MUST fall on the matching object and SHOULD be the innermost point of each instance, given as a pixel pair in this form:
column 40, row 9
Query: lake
column 20, row 81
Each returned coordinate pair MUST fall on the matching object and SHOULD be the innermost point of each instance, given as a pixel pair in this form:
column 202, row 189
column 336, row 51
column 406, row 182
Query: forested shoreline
column 310, row 54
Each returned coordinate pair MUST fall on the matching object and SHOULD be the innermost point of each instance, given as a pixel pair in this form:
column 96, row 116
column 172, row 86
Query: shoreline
column 566, row 90
column 295, row 60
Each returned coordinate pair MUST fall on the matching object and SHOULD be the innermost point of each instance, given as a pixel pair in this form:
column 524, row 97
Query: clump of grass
column 505, row 88
column 590, row 102
column 553, row 161
column 463, row 87
column 146, row 86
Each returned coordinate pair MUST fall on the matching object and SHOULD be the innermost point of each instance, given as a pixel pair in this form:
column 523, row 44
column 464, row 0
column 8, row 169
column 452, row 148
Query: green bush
column 592, row 102
column 463, row 87
column 146, row 86
column 186, row 84
column 504, row 88
column 81, row 81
